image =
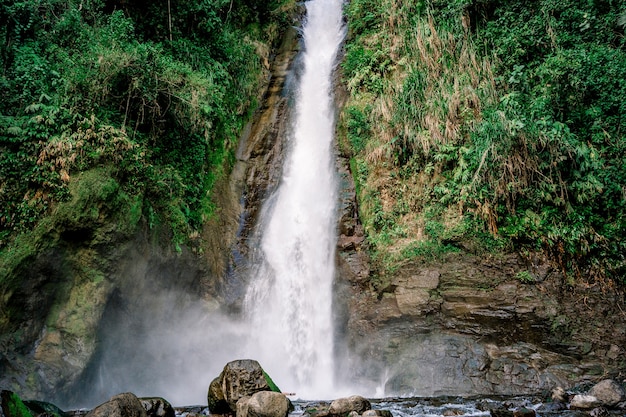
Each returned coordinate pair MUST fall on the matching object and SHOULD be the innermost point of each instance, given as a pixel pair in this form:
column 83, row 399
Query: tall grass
column 498, row 117
column 433, row 89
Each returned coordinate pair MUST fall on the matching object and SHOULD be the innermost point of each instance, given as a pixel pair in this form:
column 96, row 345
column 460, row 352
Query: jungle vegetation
column 472, row 125
column 490, row 125
column 153, row 95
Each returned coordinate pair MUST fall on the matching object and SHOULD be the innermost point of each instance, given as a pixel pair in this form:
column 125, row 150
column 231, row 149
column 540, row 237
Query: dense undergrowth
column 489, row 125
column 155, row 93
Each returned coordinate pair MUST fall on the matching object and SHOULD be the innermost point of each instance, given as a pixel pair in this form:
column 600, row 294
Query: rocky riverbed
column 525, row 406
column 244, row 389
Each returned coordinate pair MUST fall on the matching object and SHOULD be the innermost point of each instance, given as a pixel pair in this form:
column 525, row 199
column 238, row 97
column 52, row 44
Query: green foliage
column 40, row 407
column 272, row 385
column 358, row 127
column 364, row 16
column 525, row 277
column 159, row 94
column 509, row 114
column 12, row 405
column 365, row 67
column 565, row 67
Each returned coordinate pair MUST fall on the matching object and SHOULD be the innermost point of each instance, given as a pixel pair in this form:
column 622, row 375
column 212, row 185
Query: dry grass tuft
column 432, row 96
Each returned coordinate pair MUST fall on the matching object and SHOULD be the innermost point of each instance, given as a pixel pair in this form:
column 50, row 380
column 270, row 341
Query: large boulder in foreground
column 608, row 392
column 264, row 404
column 121, row 405
column 344, row 406
column 217, row 401
column 239, row 379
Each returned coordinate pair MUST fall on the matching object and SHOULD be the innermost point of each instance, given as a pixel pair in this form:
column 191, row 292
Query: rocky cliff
column 471, row 324
column 98, row 280
column 448, row 292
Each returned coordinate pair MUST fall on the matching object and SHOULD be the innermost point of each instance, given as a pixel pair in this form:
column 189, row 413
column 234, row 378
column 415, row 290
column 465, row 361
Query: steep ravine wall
column 258, row 168
column 467, row 324
column 93, row 279
column 67, row 291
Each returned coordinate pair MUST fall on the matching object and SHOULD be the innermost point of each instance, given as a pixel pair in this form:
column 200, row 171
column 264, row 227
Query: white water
column 289, row 299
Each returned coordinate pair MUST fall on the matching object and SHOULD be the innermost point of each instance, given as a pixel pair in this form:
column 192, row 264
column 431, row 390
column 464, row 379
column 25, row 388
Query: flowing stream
column 289, row 297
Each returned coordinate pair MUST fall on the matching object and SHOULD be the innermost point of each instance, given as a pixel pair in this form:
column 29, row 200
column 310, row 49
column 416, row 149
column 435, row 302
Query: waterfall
column 289, row 297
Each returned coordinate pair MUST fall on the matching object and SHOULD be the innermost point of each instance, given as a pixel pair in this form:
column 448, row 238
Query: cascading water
column 289, row 298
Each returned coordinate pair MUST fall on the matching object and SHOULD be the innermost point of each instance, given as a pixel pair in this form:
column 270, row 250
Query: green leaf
column 271, row 383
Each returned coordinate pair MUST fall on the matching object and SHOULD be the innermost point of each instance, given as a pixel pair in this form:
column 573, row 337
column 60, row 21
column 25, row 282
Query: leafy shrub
column 510, row 114
column 159, row 94
column 365, row 16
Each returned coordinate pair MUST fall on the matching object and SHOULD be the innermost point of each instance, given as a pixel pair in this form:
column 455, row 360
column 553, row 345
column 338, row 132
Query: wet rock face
column 413, row 292
column 47, row 356
column 259, row 167
column 469, row 325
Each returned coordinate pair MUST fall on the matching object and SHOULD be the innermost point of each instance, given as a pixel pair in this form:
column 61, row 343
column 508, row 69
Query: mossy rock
column 13, row 406
column 216, row 401
column 41, row 407
column 239, row 379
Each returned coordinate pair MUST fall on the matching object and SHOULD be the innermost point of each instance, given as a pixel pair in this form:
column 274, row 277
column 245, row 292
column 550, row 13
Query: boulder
column 608, row 392
column 217, row 402
column 242, row 407
column 377, row 413
column 121, row 405
column 343, row 406
column 157, row 407
column 316, row 410
column 500, row 412
column 264, row 404
column 524, row 412
column 239, row 379
column 599, row 412
column 584, row 402
column 551, row 407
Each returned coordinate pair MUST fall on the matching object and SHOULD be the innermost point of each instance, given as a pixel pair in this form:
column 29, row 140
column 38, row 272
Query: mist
column 166, row 343
column 159, row 341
